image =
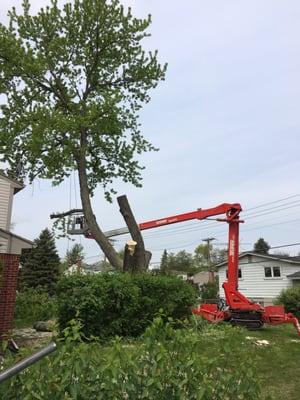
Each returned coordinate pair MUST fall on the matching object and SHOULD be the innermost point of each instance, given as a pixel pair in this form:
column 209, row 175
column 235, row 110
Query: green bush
column 121, row 304
column 209, row 291
column 182, row 364
column 290, row 298
column 34, row 305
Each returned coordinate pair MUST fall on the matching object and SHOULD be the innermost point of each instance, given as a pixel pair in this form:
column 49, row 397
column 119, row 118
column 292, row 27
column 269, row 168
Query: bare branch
column 66, row 213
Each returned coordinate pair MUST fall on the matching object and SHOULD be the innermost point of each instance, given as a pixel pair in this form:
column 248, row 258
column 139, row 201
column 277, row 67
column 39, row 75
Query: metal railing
column 20, row 366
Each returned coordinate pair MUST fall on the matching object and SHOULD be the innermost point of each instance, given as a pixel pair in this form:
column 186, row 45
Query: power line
column 273, row 202
column 194, row 227
column 275, row 209
column 285, row 245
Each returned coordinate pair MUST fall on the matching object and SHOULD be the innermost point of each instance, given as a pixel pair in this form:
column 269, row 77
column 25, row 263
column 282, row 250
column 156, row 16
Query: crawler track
column 246, row 319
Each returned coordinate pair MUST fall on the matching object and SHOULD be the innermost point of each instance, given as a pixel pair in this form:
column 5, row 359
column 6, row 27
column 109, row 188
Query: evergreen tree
column 41, row 268
column 74, row 254
column 164, row 262
column 261, row 246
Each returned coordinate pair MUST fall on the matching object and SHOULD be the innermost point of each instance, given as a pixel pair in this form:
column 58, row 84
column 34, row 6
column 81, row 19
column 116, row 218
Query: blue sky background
column 226, row 121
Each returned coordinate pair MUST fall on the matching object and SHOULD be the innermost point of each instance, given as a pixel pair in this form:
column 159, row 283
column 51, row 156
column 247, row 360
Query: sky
column 226, row 121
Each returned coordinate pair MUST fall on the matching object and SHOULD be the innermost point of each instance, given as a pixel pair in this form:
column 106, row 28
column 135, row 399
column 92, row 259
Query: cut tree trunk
column 141, row 257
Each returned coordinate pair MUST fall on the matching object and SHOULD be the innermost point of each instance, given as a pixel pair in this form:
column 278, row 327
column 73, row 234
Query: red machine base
column 273, row 315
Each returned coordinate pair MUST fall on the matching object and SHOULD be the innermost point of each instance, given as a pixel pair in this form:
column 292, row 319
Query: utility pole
column 211, row 277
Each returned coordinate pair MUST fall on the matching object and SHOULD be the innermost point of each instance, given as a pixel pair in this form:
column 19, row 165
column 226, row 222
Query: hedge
column 121, row 304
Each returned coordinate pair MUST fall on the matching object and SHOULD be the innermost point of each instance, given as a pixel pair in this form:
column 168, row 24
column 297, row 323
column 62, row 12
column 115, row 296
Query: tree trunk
column 141, row 257
column 128, row 261
column 90, row 218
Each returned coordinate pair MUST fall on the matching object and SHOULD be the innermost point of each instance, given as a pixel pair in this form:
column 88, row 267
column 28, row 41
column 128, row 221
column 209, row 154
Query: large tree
column 206, row 256
column 74, row 80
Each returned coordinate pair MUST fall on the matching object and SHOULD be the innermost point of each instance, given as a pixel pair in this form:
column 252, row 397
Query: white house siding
column 253, row 283
column 5, row 200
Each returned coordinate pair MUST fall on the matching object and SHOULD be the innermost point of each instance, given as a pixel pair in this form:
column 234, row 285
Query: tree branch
column 66, row 213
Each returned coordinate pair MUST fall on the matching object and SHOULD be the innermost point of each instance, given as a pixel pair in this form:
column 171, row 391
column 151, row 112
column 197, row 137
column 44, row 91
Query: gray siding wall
column 3, row 245
column 16, row 245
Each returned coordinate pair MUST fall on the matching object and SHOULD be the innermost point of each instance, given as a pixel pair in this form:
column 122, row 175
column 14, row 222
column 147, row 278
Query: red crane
column 238, row 310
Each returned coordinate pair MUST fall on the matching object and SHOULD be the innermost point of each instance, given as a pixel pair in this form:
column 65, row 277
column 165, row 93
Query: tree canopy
column 75, row 254
column 73, row 82
column 206, row 256
column 184, row 261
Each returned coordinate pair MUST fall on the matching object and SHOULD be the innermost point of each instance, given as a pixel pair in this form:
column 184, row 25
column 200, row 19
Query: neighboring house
column 73, row 269
column 180, row 274
column 201, row 278
column 96, row 268
column 295, row 277
column 9, row 242
column 263, row 276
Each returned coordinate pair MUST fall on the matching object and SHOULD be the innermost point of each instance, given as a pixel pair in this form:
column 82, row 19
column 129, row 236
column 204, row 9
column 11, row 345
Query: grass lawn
column 279, row 362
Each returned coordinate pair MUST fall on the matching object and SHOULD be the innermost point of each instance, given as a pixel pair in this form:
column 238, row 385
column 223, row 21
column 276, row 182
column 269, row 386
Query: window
column 240, row 273
column 272, row 272
column 268, row 272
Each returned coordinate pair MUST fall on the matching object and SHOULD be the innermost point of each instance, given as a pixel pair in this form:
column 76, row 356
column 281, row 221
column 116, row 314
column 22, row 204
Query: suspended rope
column 75, row 191
column 70, row 207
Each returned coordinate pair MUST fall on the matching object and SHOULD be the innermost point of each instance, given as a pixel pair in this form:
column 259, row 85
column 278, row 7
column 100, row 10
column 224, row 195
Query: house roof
column 295, row 275
column 4, row 233
column 287, row 259
column 15, row 184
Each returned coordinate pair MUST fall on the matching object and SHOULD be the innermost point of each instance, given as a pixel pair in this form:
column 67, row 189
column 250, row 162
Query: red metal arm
column 231, row 211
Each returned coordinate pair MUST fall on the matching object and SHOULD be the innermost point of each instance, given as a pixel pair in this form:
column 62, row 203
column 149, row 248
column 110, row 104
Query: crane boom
column 199, row 214
column 231, row 210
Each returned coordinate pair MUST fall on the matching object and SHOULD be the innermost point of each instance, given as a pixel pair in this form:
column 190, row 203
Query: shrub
column 290, row 298
column 34, row 305
column 209, row 291
column 121, row 304
column 215, row 363
column 159, row 292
